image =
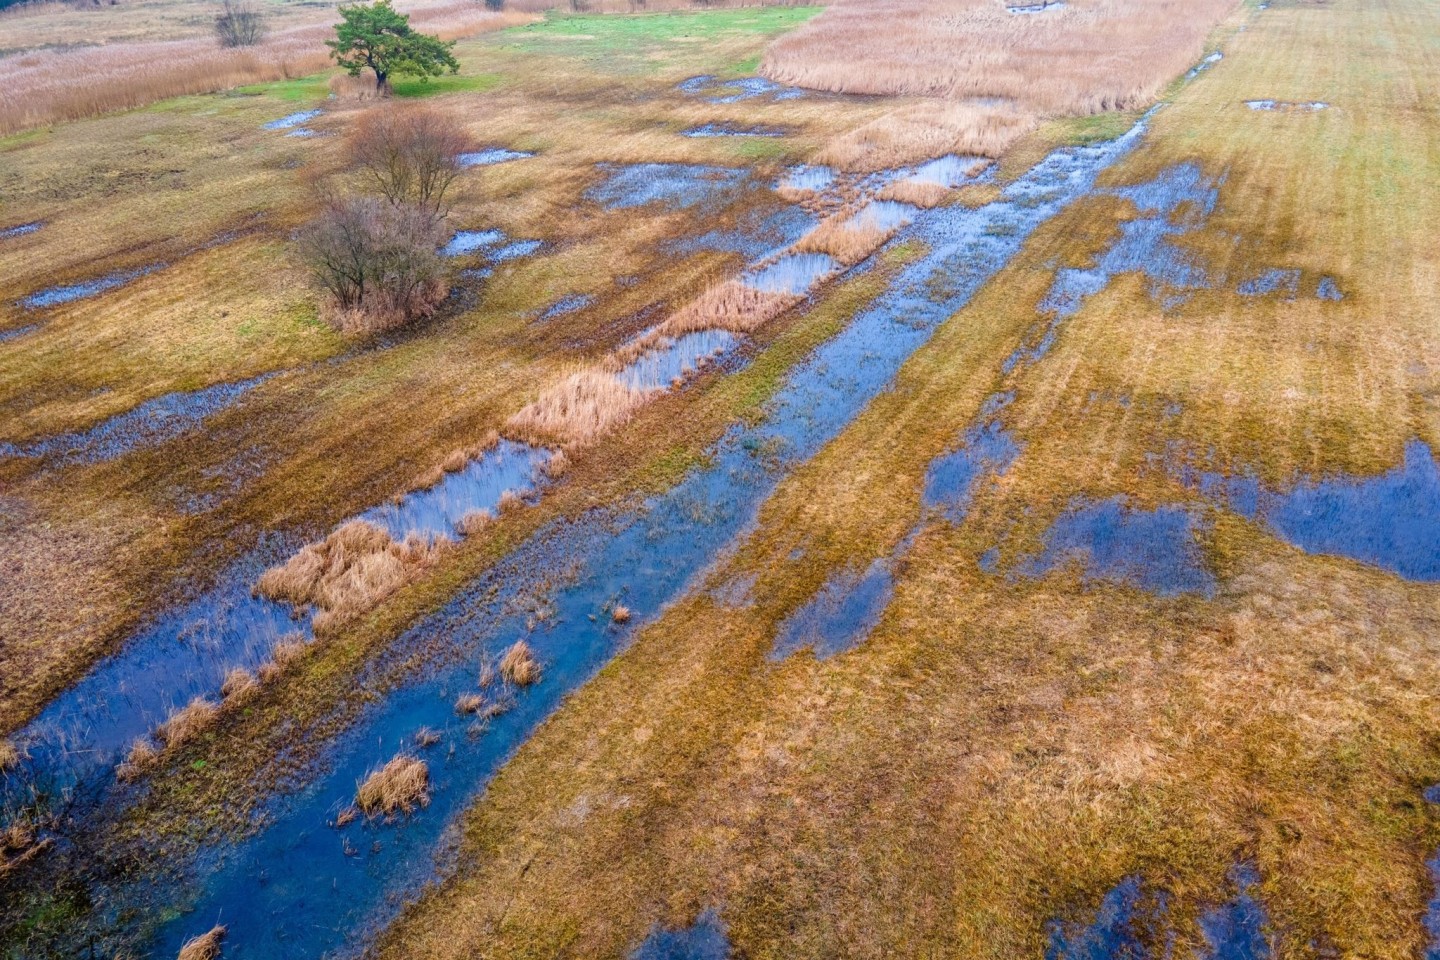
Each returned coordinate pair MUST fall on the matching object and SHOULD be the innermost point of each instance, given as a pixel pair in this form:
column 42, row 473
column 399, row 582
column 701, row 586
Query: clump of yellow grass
column 917, row 193
column 9, row 755
column 204, row 947
column 577, row 410
column 348, row 573
column 398, row 787
column 48, row 86
column 186, row 723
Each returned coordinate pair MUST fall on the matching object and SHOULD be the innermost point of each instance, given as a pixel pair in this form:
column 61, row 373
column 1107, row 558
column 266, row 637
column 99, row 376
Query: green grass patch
column 635, row 35
column 314, row 87
column 459, row 83
column 1097, row 128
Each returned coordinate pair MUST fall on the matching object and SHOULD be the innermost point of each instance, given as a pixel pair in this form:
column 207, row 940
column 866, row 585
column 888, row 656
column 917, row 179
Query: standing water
column 291, row 889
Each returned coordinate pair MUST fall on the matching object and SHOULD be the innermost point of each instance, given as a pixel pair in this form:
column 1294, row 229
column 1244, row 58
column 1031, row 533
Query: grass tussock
column 239, row 684
column 730, row 305
column 621, row 613
column 455, row 461
column 9, row 755
column 204, row 947
column 519, row 666
column 474, row 521
column 348, row 572
column 577, row 410
column 398, row 787
column 142, row 756
column 1090, row 56
column 48, row 86
column 186, row 723
column 469, row 703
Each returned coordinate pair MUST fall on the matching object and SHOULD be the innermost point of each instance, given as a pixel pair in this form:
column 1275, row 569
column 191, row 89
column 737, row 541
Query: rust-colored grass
column 918, row 193
column 398, row 787
column 204, row 947
column 48, row 86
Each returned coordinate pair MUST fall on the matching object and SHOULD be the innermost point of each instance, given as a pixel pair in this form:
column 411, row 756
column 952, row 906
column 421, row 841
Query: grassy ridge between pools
column 198, row 189
column 1003, row 750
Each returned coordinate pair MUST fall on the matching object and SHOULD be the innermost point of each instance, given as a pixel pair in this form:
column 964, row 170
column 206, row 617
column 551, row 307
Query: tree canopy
column 378, row 36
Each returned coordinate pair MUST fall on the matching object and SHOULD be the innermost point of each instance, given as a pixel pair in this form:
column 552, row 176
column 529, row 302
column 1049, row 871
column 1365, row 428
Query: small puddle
column 469, row 241
column 291, row 120
column 808, row 178
column 706, row 939
column 1236, row 930
column 1154, row 550
column 516, row 250
column 949, row 171
column 14, row 333
column 709, row 130
column 950, row 480
column 1328, row 289
column 1032, row 8
column 306, row 133
column 840, row 615
column 1204, row 65
column 492, row 156
column 21, row 230
column 676, row 185
column 570, row 303
column 56, row 296
column 660, row 367
column 1274, row 280
column 716, row 90
column 1391, row 521
column 436, row 512
column 1285, row 106
column 883, row 215
column 146, row 426
column 794, row 273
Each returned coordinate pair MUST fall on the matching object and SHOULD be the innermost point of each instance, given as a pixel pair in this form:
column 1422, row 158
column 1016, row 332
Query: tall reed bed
column 51, row 86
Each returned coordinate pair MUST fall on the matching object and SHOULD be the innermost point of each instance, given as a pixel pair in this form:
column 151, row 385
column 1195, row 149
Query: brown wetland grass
column 204, row 947
column 400, row 786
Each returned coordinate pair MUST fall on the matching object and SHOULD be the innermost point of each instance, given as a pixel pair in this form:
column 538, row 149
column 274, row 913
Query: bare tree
column 377, row 261
column 239, row 23
column 412, row 154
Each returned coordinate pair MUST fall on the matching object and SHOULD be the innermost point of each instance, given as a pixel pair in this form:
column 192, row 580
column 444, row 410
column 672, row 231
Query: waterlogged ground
column 1057, row 581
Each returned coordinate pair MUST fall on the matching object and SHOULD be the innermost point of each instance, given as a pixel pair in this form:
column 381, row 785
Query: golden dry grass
column 398, row 787
column 930, row 128
column 576, row 411
column 348, row 573
column 239, row 684
column 9, row 755
column 621, row 613
column 49, row 86
column 918, row 193
column 184, row 724
column 204, row 947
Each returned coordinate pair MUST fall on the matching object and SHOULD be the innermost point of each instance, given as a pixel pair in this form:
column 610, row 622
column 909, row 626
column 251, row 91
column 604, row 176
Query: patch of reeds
column 398, row 787
column 847, row 242
column 519, row 666
column 239, row 683
column 348, row 573
column 917, row 193
column 577, row 410
column 9, row 755
column 1082, row 58
column 928, row 129
column 186, row 723
column 204, row 947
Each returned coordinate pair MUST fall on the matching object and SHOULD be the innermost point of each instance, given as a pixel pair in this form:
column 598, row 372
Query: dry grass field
column 624, row 751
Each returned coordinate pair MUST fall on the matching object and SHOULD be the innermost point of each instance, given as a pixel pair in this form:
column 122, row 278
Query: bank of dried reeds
column 398, row 787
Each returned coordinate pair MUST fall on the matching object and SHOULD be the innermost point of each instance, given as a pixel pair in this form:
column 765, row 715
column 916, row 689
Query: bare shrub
column 204, row 947
column 398, row 787
column 411, row 154
column 239, row 684
column 348, row 573
column 519, row 666
column 342, row 86
column 239, row 23
column 377, row 262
